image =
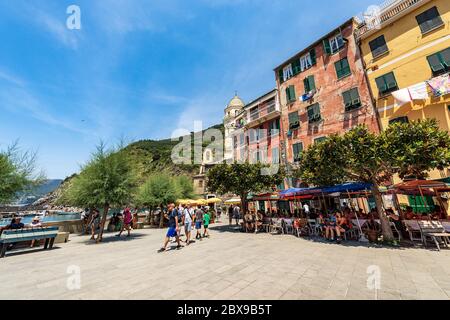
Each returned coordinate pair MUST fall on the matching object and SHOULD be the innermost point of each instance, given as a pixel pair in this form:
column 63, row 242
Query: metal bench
column 13, row 236
column 434, row 230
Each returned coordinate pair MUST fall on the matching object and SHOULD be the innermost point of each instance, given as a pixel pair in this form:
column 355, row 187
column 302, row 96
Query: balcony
column 391, row 10
column 264, row 113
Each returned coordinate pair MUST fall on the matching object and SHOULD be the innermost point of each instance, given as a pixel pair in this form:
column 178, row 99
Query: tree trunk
column 385, row 225
column 244, row 203
column 102, row 223
column 151, row 217
column 161, row 218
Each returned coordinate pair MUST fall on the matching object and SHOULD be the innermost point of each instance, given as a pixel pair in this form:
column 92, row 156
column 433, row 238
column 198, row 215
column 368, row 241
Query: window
column 314, row 113
column 399, row 120
column 290, row 94
column 261, row 133
column 429, row 20
column 297, row 150
column 294, row 121
column 333, row 45
column 386, row 83
column 309, row 83
column 351, row 99
column 234, row 144
column 274, row 127
column 320, row 139
column 440, row 62
column 308, row 60
column 200, row 183
column 342, row 68
column 296, row 69
column 378, row 46
column 253, row 135
column 241, row 139
column 275, row 155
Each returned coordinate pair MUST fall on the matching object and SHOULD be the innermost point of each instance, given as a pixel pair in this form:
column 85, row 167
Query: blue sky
column 140, row 69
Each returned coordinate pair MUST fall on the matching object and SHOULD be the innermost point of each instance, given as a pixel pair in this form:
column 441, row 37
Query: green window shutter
column 381, row 84
column 306, row 84
column 390, row 81
column 292, row 93
column 309, row 83
column 435, row 63
column 312, row 83
column 294, row 121
column 288, row 98
column 314, row 113
column 296, row 66
column 297, row 151
column 347, row 98
column 280, row 75
column 326, row 46
column 445, row 55
column 312, row 53
column 342, row 68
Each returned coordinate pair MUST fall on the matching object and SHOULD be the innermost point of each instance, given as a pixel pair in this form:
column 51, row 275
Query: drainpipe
column 372, row 97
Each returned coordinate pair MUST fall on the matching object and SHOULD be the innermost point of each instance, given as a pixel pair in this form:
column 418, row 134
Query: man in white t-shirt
column 306, row 209
column 188, row 214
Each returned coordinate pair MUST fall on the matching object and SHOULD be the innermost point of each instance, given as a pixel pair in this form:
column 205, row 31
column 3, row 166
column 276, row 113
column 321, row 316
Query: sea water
column 49, row 218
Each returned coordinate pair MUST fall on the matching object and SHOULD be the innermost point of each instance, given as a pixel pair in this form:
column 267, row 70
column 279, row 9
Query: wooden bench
column 13, row 236
column 434, row 230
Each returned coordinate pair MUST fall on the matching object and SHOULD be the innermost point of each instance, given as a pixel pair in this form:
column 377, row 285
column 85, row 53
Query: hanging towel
column 440, row 85
column 419, row 91
column 401, row 96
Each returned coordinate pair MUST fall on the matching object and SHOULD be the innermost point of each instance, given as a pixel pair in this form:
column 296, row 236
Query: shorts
column 198, row 225
column 188, row 226
column 206, row 226
column 172, row 232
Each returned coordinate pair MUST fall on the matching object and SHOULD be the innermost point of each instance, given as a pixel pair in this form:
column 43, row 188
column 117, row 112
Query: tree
column 243, row 178
column 185, row 187
column 315, row 167
column 159, row 190
column 417, row 147
column 106, row 180
column 17, row 172
column 360, row 155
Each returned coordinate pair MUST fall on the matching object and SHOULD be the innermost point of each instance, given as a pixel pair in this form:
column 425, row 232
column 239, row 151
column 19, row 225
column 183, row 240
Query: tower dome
column 236, row 103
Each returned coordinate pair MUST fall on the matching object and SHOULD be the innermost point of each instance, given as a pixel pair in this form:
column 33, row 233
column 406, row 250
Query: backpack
column 179, row 215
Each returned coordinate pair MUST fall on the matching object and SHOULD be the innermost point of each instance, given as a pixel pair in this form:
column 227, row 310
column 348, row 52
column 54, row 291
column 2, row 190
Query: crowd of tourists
column 186, row 217
column 333, row 225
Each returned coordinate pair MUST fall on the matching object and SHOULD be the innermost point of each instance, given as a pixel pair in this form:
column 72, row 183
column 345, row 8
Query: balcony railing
column 389, row 10
column 263, row 111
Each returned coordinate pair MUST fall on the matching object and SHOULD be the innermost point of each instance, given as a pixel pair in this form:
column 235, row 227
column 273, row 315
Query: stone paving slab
column 229, row 265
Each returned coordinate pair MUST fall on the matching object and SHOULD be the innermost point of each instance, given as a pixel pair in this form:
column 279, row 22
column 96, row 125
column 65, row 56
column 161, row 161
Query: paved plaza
column 229, row 265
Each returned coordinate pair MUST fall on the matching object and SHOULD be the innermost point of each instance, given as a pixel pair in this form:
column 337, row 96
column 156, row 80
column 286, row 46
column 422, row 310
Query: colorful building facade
column 406, row 52
column 323, row 90
column 255, row 130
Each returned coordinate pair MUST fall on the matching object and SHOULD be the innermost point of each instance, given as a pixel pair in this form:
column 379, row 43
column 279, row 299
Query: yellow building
column 404, row 45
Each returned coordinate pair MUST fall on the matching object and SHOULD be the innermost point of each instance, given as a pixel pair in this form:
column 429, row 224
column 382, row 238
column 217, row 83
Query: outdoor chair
column 413, row 229
column 395, row 231
column 352, row 234
column 314, row 227
column 435, row 231
column 276, row 225
column 287, row 227
column 267, row 222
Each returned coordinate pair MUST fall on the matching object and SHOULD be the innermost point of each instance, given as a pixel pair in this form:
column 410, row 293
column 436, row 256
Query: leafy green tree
column 17, row 172
column 409, row 149
column 243, row 178
column 160, row 189
column 417, row 147
column 315, row 167
column 185, row 187
column 107, row 180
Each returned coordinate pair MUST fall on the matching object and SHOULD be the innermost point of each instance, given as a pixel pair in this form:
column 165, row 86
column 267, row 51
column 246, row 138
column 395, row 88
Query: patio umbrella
column 214, row 200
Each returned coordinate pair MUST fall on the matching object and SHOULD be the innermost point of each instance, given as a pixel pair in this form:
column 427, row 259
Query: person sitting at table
column 16, row 224
column 397, row 220
column 372, row 229
column 259, row 218
column 331, row 227
column 248, row 221
column 343, row 224
column 409, row 213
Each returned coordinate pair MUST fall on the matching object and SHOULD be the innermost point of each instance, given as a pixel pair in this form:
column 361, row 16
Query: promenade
column 229, row 265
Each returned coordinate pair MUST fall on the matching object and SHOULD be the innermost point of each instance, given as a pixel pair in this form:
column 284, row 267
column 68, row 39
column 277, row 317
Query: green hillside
column 148, row 156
